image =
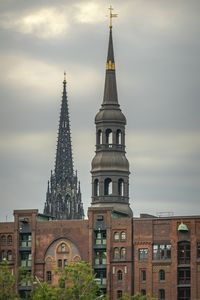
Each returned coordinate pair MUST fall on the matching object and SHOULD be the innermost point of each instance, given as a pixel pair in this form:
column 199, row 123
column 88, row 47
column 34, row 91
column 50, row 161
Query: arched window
column 116, row 253
column 3, row 255
column 108, row 186
column 161, row 275
column 96, row 187
column 123, row 236
column 9, row 255
column 108, row 136
column 121, row 187
column 3, row 240
column 123, row 253
column 63, row 248
column 116, row 236
column 99, row 137
column 59, row 263
column 9, row 240
column 119, row 275
column 119, row 137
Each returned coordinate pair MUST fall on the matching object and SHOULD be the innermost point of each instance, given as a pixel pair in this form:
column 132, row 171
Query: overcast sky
column 157, row 53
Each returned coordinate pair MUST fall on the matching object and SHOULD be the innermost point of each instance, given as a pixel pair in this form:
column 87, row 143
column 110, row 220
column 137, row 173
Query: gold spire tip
column 111, row 15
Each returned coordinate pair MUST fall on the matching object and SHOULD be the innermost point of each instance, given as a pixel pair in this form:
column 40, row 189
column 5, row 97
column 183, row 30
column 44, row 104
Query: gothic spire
column 64, row 159
column 63, row 197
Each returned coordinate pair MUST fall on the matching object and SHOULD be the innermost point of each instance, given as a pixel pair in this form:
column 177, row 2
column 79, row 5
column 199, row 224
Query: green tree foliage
column 7, row 282
column 76, row 282
column 80, row 282
column 45, row 292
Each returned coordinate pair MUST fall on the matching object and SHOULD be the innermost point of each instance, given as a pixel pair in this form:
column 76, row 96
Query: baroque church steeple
column 110, row 167
column 63, row 197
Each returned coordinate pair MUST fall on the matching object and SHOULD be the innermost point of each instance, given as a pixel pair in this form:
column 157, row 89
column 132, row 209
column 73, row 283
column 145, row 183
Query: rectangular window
column 184, row 293
column 143, row 254
column 161, row 252
column 143, row 292
column 119, row 294
column 162, row 294
column 198, row 250
column 49, row 276
column 143, row 275
column 183, row 253
column 100, row 238
column 184, row 276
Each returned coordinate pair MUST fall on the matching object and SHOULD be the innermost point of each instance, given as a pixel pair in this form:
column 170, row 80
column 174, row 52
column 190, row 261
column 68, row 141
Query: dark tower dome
column 110, row 167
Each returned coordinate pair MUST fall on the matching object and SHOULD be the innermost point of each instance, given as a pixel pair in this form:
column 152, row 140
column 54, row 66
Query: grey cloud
column 157, row 58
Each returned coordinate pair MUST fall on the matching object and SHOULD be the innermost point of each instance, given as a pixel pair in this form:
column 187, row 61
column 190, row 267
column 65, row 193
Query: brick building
column 159, row 256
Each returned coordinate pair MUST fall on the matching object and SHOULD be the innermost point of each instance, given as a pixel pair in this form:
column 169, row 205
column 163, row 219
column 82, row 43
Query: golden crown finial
column 111, row 15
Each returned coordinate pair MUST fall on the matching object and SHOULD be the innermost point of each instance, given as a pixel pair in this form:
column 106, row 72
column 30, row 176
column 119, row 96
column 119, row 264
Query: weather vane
column 65, row 76
column 111, row 15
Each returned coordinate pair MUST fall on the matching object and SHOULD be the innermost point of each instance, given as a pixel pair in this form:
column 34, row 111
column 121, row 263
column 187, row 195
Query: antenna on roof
column 165, row 214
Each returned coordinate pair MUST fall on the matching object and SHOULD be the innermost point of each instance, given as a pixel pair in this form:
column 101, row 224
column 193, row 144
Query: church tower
column 63, row 197
column 110, row 167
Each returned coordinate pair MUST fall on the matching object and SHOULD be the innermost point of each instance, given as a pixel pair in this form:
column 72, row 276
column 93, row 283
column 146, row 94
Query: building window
column 121, row 187
column 99, row 137
column 123, row 236
column 119, row 137
column 119, row 294
column 119, row 275
column 9, row 240
column 184, row 293
column 116, row 253
column 3, row 255
column 108, row 136
column 143, row 254
column 183, row 275
column 143, row 292
column 63, row 248
column 123, row 253
column 100, row 258
column 3, row 240
column 198, row 250
column 161, row 252
column 184, row 253
column 100, row 238
column 161, row 294
column 49, row 276
column 9, row 255
column 108, row 186
column 59, row 263
column 96, row 187
column 65, row 262
column 143, row 275
column 161, row 275
column 116, row 236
